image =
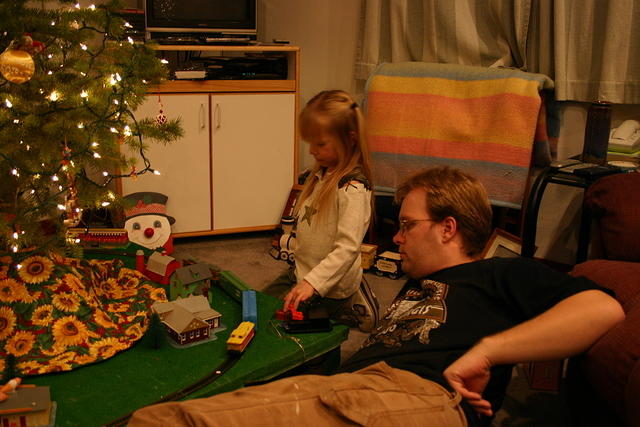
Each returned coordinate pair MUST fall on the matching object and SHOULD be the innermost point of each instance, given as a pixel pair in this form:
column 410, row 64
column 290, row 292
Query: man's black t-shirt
column 433, row 321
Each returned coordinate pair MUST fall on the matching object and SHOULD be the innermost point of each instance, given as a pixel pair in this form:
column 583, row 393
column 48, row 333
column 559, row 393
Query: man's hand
column 469, row 376
column 300, row 292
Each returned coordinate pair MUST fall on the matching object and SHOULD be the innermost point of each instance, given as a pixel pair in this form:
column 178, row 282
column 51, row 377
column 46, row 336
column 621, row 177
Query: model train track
column 231, row 359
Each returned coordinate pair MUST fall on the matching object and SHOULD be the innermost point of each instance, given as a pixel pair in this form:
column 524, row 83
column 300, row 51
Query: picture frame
column 502, row 244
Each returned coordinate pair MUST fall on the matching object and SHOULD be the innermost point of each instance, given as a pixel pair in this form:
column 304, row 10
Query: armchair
column 604, row 382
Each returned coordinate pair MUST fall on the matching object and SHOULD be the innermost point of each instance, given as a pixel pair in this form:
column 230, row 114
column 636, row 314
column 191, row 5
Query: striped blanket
column 481, row 120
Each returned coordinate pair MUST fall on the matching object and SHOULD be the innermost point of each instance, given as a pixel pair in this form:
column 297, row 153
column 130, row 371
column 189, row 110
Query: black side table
column 561, row 177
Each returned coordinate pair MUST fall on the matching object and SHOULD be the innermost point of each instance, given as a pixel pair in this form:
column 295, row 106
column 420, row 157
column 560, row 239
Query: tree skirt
column 57, row 313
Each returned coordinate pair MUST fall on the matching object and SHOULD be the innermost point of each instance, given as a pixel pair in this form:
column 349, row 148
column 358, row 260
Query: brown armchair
column 604, row 383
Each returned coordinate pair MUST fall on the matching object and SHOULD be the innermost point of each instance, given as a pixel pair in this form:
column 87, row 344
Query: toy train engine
column 99, row 237
column 241, row 337
column 285, row 245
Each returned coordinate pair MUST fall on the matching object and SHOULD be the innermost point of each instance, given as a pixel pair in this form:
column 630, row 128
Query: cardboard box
column 368, row 253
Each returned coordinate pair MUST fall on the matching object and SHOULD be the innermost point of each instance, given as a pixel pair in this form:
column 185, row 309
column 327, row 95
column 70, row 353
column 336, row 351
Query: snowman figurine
column 146, row 221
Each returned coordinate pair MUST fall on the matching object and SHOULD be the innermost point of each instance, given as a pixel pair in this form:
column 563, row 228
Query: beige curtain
column 473, row 32
column 590, row 48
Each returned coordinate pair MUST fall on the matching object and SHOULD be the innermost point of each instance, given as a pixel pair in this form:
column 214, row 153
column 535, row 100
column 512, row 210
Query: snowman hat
column 146, row 203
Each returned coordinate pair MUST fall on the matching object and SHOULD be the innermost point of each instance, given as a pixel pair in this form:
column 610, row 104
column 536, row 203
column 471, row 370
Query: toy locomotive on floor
column 387, row 263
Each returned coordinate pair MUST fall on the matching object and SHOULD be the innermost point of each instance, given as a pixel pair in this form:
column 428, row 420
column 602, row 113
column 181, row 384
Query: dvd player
column 229, row 40
column 202, row 39
column 178, row 40
column 254, row 67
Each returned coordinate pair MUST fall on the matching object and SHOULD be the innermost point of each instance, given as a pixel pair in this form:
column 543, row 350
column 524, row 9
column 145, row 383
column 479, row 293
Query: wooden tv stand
column 233, row 169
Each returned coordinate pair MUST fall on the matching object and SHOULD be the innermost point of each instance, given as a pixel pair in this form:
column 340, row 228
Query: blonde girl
column 333, row 212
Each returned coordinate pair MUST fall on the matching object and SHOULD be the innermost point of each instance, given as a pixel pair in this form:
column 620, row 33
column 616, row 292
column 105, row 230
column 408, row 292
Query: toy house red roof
column 36, row 402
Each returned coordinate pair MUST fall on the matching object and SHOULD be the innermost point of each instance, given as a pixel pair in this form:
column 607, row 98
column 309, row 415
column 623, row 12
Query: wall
column 327, row 36
column 326, row 31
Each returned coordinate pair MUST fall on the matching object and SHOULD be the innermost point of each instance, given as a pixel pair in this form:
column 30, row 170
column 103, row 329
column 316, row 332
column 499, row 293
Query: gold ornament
column 17, row 66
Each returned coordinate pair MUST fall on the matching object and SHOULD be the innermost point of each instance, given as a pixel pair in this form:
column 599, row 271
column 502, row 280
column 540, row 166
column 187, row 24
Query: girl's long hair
column 334, row 112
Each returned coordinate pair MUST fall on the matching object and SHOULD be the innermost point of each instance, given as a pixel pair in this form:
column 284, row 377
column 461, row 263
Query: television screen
column 201, row 16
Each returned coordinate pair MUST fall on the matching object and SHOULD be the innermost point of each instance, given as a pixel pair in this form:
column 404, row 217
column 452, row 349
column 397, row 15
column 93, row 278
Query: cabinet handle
column 218, row 114
column 201, row 116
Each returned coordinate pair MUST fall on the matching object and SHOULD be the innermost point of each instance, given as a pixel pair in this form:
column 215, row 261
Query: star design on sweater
column 309, row 211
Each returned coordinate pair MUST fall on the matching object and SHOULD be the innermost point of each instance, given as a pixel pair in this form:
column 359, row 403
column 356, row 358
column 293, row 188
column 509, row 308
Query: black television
column 201, row 19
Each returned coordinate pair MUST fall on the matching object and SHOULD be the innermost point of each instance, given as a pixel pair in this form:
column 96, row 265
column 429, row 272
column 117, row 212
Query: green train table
column 104, row 392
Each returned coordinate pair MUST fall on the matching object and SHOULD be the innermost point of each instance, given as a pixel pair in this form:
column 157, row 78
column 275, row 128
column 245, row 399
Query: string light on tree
column 90, row 76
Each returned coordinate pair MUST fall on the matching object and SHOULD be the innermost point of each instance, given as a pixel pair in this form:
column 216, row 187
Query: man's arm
column 569, row 327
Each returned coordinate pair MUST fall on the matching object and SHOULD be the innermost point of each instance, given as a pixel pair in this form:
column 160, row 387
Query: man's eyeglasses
column 408, row 224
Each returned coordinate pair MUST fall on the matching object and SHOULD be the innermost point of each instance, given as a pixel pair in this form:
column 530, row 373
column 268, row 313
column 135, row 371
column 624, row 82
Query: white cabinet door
column 184, row 165
column 253, row 148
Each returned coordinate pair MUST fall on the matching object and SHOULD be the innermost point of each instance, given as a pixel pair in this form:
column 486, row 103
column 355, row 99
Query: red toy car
column 289, row 314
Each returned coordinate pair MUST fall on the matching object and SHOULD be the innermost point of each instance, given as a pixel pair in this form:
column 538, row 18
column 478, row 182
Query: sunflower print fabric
column 57, row 314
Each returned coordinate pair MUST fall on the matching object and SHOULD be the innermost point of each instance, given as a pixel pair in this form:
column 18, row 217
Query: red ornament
column 161, row 118
column 66, row 155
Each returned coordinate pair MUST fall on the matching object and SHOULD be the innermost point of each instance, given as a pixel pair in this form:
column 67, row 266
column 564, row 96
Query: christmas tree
column 70, row 82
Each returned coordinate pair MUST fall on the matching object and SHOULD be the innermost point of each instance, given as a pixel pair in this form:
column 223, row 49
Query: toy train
column 387, row 263
column 249, row 307
column 284, row 243
column 99, row 237
column 289, row 314
column 308, row 319
column 241, row 337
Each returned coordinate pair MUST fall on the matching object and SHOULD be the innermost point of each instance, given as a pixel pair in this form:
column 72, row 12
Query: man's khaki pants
column 374, row 396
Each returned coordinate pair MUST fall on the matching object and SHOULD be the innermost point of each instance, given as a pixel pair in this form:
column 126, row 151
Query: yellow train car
column 241, row 337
